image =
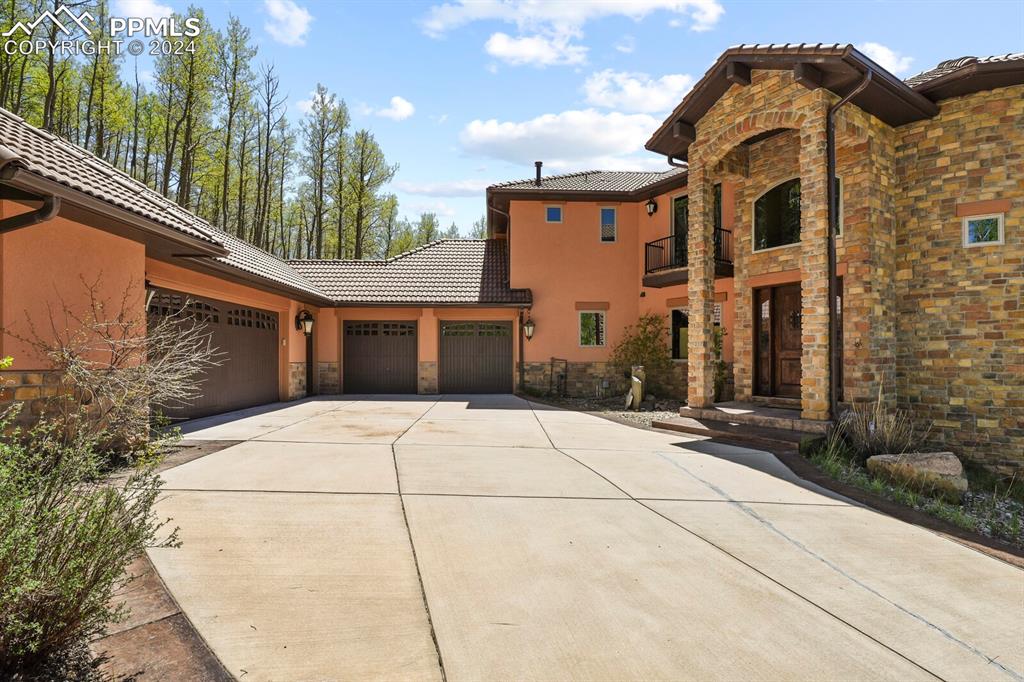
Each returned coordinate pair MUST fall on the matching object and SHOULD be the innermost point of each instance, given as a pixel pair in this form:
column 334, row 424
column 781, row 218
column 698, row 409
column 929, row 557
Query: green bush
column 645, row 343
column 66, row 538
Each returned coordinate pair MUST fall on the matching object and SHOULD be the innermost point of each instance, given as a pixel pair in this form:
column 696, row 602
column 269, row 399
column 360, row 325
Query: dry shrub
column 874, row 429
column 116, row 369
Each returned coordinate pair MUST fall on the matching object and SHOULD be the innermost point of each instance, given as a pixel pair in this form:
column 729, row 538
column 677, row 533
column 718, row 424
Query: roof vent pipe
column 538, row 164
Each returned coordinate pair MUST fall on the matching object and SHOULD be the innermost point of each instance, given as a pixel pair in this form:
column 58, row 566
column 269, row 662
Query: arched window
column 777, row 216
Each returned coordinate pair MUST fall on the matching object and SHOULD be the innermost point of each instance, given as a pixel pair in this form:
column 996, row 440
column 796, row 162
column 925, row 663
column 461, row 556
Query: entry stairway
column 753, row 424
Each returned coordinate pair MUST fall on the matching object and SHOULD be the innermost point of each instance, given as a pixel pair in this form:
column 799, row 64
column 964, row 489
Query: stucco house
column 799, row 175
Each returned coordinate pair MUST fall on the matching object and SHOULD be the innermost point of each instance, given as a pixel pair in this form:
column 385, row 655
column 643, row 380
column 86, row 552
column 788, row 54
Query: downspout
column 48, row 211
column 834, row 351
column 676, row 164
column 522, row 353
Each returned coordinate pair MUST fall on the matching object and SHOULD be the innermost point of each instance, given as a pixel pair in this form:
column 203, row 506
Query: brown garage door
column 246, row 338
column 380, row 357
column 476, row 357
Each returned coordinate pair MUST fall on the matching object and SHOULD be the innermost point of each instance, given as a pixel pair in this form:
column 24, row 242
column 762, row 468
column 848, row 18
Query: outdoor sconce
column 304, row 321
column 528, row 328
column 652, row 207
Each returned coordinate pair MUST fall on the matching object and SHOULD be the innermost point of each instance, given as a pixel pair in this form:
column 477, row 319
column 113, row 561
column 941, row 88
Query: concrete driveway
column 486, row 537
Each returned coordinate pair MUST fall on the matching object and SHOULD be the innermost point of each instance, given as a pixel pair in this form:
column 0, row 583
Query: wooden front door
column 778, row 345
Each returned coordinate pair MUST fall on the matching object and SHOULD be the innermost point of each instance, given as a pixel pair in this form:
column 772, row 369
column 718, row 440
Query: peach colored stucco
column 565, row 263
column 45, row 267
column 568, row 268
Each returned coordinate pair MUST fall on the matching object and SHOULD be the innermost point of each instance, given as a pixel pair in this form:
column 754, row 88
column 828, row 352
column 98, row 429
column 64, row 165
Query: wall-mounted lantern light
column 652, row 207
column 304, row 322
column 528, row 329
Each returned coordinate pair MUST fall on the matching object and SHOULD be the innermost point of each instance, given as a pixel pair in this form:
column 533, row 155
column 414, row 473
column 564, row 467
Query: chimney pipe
column 538, row 164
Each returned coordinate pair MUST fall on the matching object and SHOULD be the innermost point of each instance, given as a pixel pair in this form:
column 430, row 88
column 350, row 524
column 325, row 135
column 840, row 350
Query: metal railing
column 670, row 252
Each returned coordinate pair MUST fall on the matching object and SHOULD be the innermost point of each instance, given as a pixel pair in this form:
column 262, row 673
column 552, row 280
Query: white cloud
column 288, row 23
column 531, row 15
column 636, row 92
column 399, row 110
column 536, row 50
column 570, row 139
column 549, row 32
column 446, row 189
column 306, row 105
column 890, row 60
column 141, row 8
column 442, row 119
column 440, row 208
column 626, row 44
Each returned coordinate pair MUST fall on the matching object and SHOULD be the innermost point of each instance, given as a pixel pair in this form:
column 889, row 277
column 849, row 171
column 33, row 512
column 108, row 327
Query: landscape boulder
column 933, row 473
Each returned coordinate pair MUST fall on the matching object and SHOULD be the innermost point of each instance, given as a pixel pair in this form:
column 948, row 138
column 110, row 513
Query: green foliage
column 645, row 343
column 721, row 368
column 66, row 537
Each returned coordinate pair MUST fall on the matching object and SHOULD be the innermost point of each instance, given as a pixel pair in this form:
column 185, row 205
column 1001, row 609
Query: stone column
column 701, row 285
column 814, row 262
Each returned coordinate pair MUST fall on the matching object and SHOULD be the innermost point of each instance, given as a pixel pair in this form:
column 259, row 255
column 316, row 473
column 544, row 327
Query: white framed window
column 609, row 223
column 592, row 327
column 552, row 214
column 983, row 230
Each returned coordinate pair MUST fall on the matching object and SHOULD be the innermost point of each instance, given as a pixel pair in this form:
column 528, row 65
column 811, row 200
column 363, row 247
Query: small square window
column 983, row 230
column 553, row 214
column 591, row 328
column 608, row 222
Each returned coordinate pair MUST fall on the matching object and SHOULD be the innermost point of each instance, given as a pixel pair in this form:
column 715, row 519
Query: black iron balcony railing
column 670, row 252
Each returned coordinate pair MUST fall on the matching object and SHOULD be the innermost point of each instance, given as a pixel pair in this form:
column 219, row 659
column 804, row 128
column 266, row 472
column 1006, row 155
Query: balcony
column 665, row 259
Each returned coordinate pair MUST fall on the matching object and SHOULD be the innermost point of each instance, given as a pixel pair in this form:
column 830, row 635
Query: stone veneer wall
column 328, row 378
column 593, row 379
column 427, row 379
column 960, row 312
column 296, row 380
column 773, row 101
column 29, row 388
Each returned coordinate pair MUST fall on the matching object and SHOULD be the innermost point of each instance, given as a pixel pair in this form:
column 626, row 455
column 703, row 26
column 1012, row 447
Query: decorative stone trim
column 296, row 380
column 427, row 380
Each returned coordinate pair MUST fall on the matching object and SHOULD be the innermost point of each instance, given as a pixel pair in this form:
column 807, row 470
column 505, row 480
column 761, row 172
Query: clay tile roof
column 47, row 155
column 952, row 65
column 446, row 272
column 244, row 256
column 592, row 181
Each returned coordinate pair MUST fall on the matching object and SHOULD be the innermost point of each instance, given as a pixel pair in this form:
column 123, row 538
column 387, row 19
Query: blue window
column 607, row 224
column 553, row 214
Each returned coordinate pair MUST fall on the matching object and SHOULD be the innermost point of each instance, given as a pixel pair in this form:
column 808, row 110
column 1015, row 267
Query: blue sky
column 463, row 95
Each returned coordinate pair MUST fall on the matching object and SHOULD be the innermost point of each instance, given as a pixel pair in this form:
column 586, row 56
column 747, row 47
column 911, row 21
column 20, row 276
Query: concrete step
column 776, row 401
column 756, row 415
column 742, row 434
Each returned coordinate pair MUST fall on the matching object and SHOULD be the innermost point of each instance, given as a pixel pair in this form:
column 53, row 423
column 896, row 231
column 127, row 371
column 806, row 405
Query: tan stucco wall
column 565, row 264
column 45, row 268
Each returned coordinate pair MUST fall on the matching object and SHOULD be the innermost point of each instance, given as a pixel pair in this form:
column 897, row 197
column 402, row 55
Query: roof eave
column 987, row 75
column 29, row 181
column 714, row 84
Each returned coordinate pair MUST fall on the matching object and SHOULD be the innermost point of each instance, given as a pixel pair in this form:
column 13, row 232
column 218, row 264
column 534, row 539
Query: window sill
column 776, row 248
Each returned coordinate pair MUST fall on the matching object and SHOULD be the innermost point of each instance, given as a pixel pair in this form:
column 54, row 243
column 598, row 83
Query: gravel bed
column 612, row 407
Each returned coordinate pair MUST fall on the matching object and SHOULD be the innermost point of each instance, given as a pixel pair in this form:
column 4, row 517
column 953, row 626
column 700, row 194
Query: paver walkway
column 486, row 537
